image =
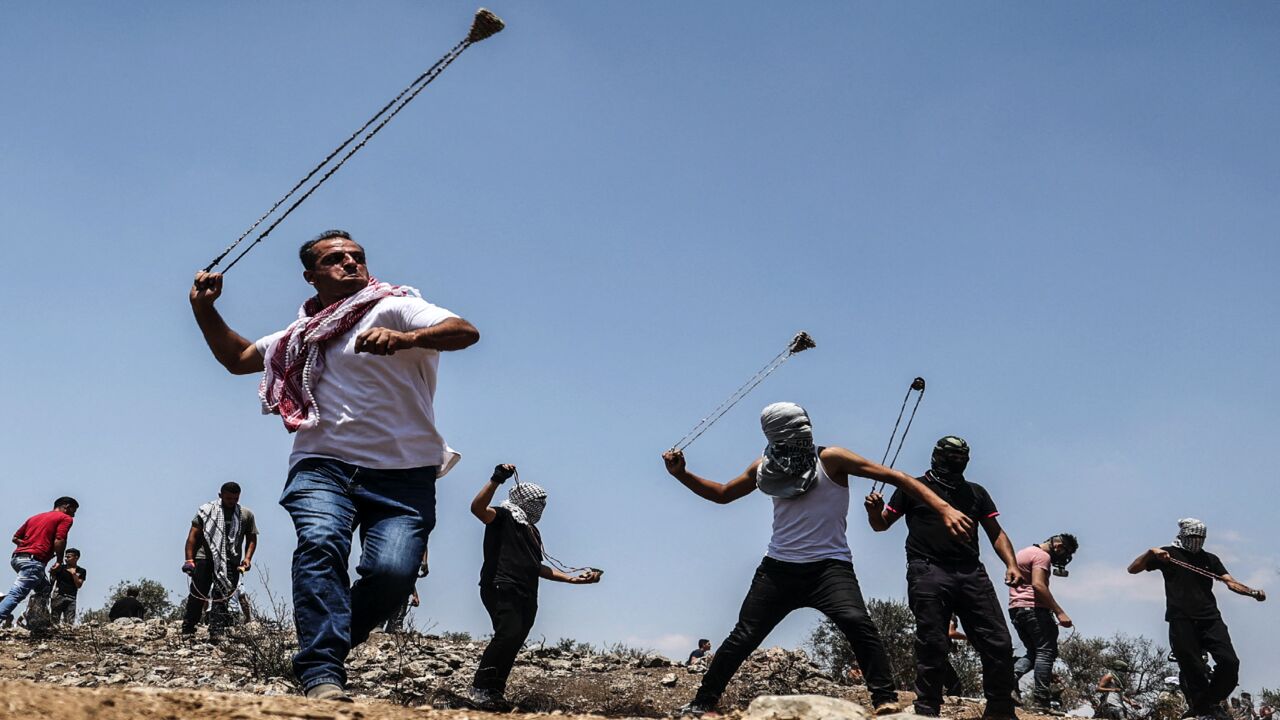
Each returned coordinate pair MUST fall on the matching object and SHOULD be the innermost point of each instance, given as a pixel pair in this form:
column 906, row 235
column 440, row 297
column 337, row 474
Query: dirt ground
column 31, row 701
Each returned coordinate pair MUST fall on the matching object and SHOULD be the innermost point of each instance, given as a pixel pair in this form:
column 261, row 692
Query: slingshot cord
column 551, row 559
column 799, row 343
column 417, row 86
column 432, row 71
column 917, row 384
column 209, row 601
column 1194, row 569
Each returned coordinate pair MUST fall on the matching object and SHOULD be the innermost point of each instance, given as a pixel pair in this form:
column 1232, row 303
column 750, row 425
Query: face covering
column 790, row 463
column 949, row 460
column 526, row 502
column 1191, row 534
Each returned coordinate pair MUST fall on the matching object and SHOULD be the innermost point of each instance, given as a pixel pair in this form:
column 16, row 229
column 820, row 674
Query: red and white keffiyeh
column 296, row 361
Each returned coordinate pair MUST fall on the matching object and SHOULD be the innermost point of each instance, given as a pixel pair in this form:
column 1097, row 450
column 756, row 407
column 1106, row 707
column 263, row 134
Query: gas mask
column 1062, row 548
column 949, row 460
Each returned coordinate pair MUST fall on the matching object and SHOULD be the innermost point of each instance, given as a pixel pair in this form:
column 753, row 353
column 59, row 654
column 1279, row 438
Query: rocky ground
column 130, row 669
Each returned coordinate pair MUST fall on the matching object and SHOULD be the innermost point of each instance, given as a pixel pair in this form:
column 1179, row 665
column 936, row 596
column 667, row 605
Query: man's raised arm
column 237, row 355
column 721, row 493
column 850, row 463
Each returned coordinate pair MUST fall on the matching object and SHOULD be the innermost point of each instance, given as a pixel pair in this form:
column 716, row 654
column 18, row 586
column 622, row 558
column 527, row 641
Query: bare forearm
column 59, row 545
column 702, row 487
column 920, row 491
column 1004, row 549
column 1046, row 595
column 1140, row 563
column 250, row 548
column 189, row 549
column 226, row 344
column 484, row 498
column 549, row 573
column 452, row 334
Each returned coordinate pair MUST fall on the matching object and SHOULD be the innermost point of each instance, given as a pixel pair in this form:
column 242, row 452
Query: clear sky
column 1063, row 215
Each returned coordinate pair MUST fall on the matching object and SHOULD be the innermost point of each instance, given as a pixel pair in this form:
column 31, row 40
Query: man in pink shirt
column 1036, row 615
column 40, row 538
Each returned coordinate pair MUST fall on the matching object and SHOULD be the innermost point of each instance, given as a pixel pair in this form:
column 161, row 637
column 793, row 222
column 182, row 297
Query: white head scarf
column 526, row 502
column 790, row 463
column 1191, row 534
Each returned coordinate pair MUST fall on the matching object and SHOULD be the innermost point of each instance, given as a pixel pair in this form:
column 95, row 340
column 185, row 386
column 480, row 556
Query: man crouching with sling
column 808, row 563
column 354, row 379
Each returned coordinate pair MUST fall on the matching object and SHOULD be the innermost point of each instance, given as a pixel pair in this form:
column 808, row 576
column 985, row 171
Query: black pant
column 1189, row 639
column 935, row 593
column 202, row 582
column 1037, row 628
column 828, row 586
column 512, row 610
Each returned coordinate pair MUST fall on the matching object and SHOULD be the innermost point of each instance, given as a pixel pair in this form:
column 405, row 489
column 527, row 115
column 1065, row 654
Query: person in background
column 40, row 538
column 67, row 579
column 128, row 606
column 702, row 651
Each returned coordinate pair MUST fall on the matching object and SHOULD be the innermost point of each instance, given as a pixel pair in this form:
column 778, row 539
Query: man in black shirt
column 128, row 606
column 1195, row 625
column 703, row 650
column 67, row 577
column 945, row 576
column 513, row 565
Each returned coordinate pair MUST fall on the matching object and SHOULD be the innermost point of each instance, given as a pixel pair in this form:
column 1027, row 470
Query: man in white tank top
column 808, row 563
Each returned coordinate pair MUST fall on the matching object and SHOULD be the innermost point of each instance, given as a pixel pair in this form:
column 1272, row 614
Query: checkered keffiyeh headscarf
column 1191, row 534
column 526, row 502
column 295, row 363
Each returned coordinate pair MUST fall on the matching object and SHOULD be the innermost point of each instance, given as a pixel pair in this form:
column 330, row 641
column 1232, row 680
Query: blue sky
column 1062, row 215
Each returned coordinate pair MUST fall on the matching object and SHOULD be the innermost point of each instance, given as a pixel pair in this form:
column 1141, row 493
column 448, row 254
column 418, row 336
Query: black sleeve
column 1216, row 565
column 83, row 574
column 900, row 502
column 985, row 507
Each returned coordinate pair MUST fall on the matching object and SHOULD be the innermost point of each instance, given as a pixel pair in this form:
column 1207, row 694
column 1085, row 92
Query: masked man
column 1036, row 614
column 808, row 563
column 220, row 545
column 513, row 564
column 1195, row 624
column 945, row 576
column 354, row 378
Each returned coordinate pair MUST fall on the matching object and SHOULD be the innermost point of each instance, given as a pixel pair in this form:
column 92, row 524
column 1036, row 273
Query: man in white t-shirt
column 354, row 379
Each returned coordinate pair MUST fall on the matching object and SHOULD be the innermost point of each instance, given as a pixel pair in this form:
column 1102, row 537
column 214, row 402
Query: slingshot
column 917, row 385
column 483, row 25
column 798, row 344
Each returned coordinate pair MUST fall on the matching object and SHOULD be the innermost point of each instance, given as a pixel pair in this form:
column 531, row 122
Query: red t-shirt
column 37, row 534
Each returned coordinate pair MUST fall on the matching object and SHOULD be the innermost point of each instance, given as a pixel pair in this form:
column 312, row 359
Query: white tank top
column 812, row 526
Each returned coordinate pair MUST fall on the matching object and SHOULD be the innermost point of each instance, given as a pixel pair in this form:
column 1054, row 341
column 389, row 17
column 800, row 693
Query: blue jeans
column 395, row 511
column 1038, row 630
column 30, row 578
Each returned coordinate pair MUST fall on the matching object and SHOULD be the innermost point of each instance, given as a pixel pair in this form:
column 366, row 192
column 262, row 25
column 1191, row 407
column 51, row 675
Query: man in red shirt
column 40, row 538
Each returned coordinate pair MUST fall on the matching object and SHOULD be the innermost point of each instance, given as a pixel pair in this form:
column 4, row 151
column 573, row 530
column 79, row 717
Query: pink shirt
column 1024, row 596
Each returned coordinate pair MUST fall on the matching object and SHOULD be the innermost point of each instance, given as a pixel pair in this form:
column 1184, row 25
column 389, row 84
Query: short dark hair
column 1068, row 540
column 133, row 592
column 307, row 257
column 72, row 550
column 703, row 641
column 66, row 500
column 231, row 487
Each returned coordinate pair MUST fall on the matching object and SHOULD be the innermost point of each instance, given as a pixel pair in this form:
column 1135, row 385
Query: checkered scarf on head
column 295, row 363
column 790, row 463
column 1191, row 534
column 526, row 502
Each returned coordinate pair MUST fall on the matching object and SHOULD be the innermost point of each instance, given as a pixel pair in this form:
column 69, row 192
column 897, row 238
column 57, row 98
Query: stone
column 803, row 707
column 669, row 680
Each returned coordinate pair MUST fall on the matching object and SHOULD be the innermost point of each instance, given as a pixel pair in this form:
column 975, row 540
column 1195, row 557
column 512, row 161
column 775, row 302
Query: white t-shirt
column 376, row 410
